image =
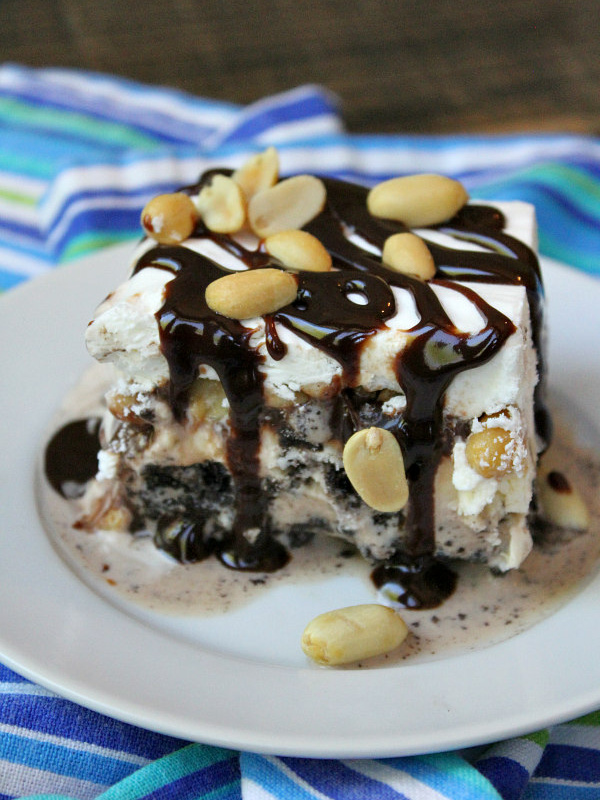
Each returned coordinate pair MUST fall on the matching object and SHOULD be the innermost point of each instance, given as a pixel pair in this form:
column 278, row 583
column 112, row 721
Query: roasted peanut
column 375, row 467
column 289, row 204
column 560, row 502
column 170, row 218
column 259, row 172
column 407, row 253
column 126, row 408
column 115, row 519
column 417, row 200
column 251, row 293
column 222, row 205
column 489, row 452
column 299, row 250
column 206, row 400
column 352, row 634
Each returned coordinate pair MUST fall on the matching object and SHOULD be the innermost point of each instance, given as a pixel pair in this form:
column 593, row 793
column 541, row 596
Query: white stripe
column 326, row 158
column 20, row 780
column 296, row 778
column 322, row 125
column 74, row 744
column 124, row 177
column 397, row 779
column 19, row 264
column 89, row 204
column 147, row 99
column 525, row 752
column 22, row 184
column 254, row 791
column 577, row 736
column 32, row 689
column 488, row 155
column 133, row 177
column 13, row 211
column 186, row 107
column 259, row 108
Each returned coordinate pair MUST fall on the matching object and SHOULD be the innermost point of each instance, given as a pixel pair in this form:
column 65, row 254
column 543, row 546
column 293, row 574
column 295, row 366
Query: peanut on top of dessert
column 303, row 354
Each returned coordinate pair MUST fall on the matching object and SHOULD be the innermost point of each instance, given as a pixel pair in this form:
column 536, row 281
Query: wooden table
column 404, row 66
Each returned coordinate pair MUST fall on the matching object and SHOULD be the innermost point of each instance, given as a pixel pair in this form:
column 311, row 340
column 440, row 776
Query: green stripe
column 538, row 737
column 94, row 128
column 18, row 197
column 588, row 719
column 89, row 242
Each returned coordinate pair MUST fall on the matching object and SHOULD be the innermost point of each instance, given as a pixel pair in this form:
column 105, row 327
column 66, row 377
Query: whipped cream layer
column 124, row 330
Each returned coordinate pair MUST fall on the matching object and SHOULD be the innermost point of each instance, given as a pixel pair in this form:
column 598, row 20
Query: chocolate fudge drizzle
column 326, row 314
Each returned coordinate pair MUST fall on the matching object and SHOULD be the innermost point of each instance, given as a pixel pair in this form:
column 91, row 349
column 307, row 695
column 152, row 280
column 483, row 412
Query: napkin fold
column 80, row 154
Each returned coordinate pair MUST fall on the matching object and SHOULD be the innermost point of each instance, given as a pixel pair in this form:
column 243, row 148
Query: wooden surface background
column 405, row 66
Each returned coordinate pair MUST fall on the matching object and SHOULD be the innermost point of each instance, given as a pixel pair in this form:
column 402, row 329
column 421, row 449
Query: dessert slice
column 298, row 356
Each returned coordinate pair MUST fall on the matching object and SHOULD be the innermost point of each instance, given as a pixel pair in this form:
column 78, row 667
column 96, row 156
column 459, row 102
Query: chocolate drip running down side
column 191, row 335
column 326, row 314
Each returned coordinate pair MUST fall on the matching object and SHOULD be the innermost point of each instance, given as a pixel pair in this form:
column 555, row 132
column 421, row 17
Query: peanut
column 206, row 400
column 222, row 205
column 299, row 250
column 489, row 452
column 115, row 519
column 122, row 407
column 170, row 218
column 375, row 467
column 417, row 200
column 352, row 634
column 259, row 172
column 251, row 293
column 407, row 253
column 291, row 203
column 561, row 503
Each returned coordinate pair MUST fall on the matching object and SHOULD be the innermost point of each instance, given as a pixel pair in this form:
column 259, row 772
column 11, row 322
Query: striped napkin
column 80, row 154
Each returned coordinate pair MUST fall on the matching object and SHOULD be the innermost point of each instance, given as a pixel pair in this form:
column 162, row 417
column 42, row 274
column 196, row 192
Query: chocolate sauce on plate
column 71, row 457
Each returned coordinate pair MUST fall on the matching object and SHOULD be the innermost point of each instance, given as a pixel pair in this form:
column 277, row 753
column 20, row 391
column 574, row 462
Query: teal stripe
column 77, row 124
column 571, row 181
column 569, row 221
column 58, row 144
column 269, row 776
column 553, row 247
column 167, row 769
column 447, row 773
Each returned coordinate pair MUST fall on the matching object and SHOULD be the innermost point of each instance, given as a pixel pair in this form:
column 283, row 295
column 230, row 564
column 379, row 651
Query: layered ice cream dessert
column 303, row 356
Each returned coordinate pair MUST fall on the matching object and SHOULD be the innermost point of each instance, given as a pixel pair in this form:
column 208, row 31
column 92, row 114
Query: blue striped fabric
column 80, row 154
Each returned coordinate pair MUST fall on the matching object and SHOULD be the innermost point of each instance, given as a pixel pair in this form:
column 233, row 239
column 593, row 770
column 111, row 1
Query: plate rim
column 318, row 689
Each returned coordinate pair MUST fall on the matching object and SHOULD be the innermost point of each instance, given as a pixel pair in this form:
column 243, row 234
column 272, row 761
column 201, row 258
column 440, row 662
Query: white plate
column 56, row 631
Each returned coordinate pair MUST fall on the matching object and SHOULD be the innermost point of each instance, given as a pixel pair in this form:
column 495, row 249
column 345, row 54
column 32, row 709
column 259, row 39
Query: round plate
column 243, row 692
